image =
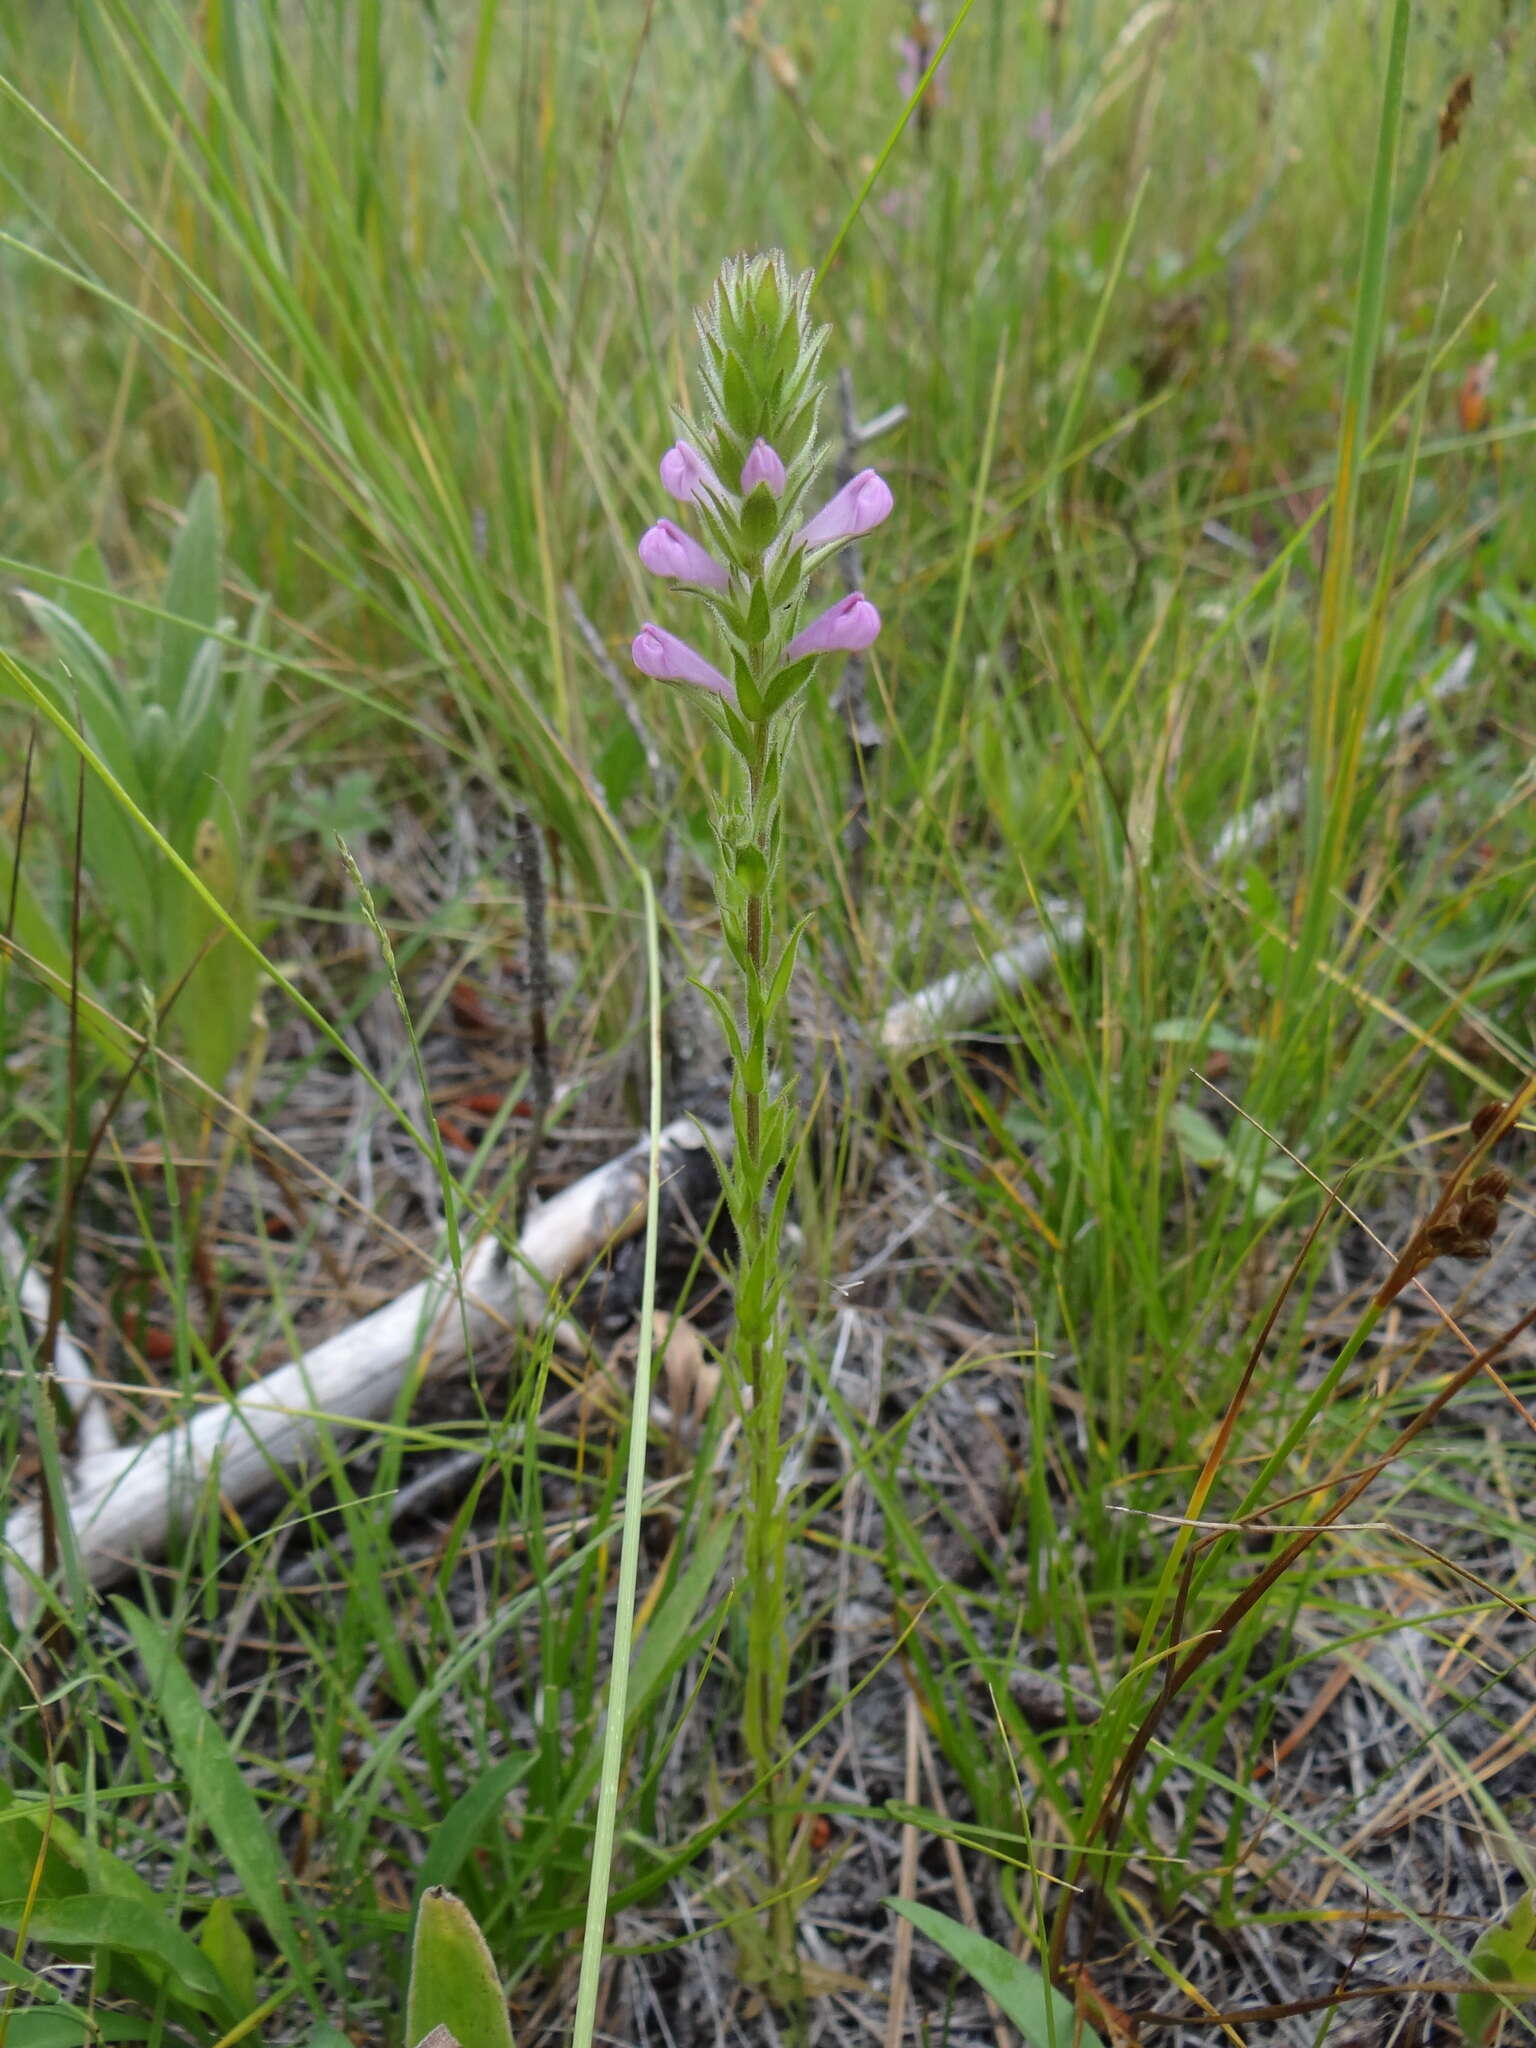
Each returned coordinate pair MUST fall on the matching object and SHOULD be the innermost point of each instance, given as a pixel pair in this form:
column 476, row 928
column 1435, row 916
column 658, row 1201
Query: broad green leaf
column 191, row 599
column 1505, row 1955
column 461, row 1826
column 227, row 1946
column 213, row 1013
column 217, row 1791
column 94, row 601
column 58, row 2026
column 154, row 736
column 242, row 725
column 138, row 1929
column 1041, row 2014
column 90, row 697
column 91, row 681
column 453, row 1979
column 72, row 1862
column 1200, row 1031
column 1267, row 926
column 1199, row 1137
column 36, row 935
column 186, row 785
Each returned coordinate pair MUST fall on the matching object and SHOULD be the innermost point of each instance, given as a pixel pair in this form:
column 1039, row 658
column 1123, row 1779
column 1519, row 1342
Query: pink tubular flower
column 858, row 508
column 684, row 471
column 667, row 551
column 848, row 628
column 670, row 660
column 762, row 466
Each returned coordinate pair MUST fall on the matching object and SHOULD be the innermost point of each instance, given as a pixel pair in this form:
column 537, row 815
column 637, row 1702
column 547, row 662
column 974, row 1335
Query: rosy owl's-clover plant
column 746, row 471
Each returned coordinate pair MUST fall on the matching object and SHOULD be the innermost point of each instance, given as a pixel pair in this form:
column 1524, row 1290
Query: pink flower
column 858, row 508
column 670, row 660
column 667, row 551
column 848, row 628
column 685, row 472
column 762, row 466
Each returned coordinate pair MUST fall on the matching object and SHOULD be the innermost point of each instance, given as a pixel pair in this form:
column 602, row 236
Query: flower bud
column 667, row 551
column 848, row 628
column 670, row 660
column 762, row 466
column 685, row 472
column 858, row 508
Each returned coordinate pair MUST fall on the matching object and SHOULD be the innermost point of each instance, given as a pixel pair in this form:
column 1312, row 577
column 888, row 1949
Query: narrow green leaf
column 191, row 593
column 778, row 988
column 671, row 1635
column 1042, row 2015
column 453, row 1979
column 464, row 1822
column 217, row 1791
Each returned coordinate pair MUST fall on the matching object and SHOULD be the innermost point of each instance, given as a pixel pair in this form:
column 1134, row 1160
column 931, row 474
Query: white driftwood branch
column 970, row 993
column 71, row 1367
column 124, row 1502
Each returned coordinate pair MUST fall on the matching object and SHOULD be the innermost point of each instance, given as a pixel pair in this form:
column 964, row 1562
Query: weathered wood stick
column 124, row 1502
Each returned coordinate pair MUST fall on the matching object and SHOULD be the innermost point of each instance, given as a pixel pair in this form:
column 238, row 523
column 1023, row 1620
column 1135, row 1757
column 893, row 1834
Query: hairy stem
column 763, row 1375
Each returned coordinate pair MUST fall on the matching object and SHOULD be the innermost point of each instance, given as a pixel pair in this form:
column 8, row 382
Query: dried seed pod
column 1479, row 1216
column 1491, row 1186
column 1486, row 1118
column 1442, row 1241
column 1470, row 1247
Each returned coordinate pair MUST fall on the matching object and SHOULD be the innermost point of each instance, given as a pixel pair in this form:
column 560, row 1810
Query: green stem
column 767, row 1531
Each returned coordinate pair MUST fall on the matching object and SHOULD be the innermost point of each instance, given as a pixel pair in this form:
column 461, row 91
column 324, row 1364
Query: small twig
column 906, row 1887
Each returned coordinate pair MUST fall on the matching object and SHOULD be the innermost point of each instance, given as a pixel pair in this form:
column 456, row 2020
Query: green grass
column 414, row 283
